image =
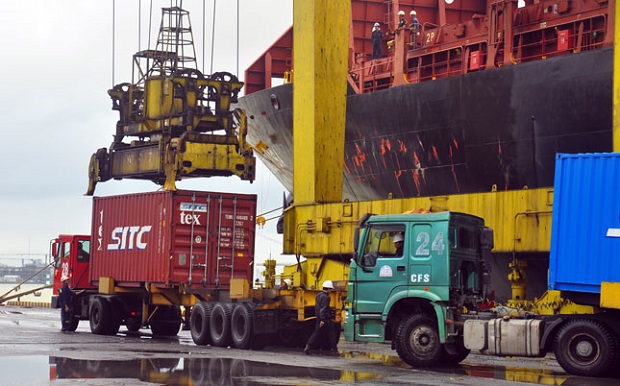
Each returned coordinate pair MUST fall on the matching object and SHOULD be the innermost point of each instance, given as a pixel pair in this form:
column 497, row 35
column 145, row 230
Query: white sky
column 55, row 71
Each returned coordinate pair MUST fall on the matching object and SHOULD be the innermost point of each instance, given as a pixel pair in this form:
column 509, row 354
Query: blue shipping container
column 585, row 233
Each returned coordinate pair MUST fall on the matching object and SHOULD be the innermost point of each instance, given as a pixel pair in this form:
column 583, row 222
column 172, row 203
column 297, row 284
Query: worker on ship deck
column 377, row 41
column 402, row 23
column 414, row 28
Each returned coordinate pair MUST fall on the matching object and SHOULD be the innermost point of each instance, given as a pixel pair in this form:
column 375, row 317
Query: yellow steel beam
column 168, row 160
column 521, row 220
column 321, row 35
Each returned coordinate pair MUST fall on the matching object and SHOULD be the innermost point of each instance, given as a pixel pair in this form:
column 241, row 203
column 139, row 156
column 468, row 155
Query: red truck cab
column 72, row 256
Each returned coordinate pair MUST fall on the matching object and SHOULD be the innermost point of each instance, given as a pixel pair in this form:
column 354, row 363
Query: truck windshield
column 382, row 241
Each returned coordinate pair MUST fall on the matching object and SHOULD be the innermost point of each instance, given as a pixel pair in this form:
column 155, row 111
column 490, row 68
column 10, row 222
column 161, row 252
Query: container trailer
column 171, row 258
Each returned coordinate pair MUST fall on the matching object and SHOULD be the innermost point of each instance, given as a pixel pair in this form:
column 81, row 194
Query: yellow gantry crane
column 320, row 225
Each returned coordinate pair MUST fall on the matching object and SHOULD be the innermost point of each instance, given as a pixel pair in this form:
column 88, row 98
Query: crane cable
column 113, row 37
column 237, row 74
column 204, row 11
column 213, row 37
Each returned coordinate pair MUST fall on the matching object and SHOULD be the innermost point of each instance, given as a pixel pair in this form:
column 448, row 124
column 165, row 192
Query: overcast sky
column 56, row 69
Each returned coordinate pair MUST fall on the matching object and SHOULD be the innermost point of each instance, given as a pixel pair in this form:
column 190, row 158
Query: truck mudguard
column 418, row 294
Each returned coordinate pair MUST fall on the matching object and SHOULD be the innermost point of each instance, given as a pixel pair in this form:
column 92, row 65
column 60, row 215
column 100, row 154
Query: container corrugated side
column 174, row 238
column 585, row 234
column 131, row 239
column 213, row 238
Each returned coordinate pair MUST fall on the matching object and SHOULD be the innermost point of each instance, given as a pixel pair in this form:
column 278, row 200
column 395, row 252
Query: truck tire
column 242, row 326
column 74, row 324
column 417, row 341
column 456, row 352
column 199, row 323
column 219, row 324
column 101, row 317
column 586, row 347
column 115, row 318
column 166, row 321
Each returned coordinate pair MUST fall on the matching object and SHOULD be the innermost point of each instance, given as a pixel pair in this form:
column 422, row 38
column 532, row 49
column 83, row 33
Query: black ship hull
column 494, row 129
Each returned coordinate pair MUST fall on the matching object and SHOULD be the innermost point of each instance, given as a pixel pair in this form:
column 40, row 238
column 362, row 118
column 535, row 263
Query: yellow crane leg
column 321, row 31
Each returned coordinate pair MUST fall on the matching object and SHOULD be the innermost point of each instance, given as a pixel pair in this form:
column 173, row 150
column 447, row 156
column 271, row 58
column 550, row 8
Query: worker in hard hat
column 65, row 302
column 398, row 244
column 286, row 284
column 377, row 41
column 414, row 28
column 324, row 327
column 402, row 23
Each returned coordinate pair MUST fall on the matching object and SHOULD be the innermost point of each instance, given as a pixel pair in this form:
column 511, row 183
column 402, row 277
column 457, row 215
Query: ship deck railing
column 378, row 74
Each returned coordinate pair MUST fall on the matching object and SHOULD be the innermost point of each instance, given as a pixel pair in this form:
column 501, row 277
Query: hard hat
column 376, row 24
column 413, row 12
column 328, row 284
column 288, row 282
column 398, row 237
column 64, row 278
column 401, row 13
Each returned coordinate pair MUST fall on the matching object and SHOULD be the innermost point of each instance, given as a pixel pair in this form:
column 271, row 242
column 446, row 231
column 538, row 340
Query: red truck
column 148, row 254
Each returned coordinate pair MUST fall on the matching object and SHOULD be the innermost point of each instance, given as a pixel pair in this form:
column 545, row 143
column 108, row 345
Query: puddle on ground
column 507, row 373
column 226, row 371
column 198, row 371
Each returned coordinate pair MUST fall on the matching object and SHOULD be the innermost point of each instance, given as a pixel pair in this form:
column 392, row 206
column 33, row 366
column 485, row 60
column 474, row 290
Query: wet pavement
column 34, row 352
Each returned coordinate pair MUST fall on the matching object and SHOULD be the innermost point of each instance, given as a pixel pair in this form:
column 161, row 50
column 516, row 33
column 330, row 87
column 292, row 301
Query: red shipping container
column 184, row 238
column 564, row 41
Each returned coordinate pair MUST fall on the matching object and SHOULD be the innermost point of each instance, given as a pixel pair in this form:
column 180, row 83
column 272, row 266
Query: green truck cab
column 414, row 297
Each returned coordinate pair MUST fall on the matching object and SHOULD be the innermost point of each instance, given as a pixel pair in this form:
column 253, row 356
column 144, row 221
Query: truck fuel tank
column 503, row 337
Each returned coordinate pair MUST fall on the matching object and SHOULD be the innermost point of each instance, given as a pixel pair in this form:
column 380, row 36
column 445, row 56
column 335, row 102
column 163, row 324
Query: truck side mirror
column 356, row 234
column 55, row 248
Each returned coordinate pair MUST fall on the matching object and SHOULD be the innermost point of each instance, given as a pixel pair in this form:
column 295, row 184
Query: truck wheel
column 242, row 326
column 74, row 324
column 100, row 317
column 417, row 341
column 220, row 324
column 115, row 317
column 199, row 323
column 585, row 347
column 455, row 352
column 166, row 321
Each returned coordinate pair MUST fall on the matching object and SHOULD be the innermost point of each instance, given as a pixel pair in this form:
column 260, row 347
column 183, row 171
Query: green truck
column 415, row 298
column 430, row 297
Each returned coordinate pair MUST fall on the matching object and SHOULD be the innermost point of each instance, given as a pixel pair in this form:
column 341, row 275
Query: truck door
column 72, row 257
column 80, row 268
column 381, row 267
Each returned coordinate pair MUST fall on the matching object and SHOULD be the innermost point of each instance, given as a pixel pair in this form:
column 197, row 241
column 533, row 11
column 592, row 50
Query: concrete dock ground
column 33, row 351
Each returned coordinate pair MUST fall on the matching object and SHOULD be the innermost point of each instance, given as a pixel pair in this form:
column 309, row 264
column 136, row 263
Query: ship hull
column 493, row 129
